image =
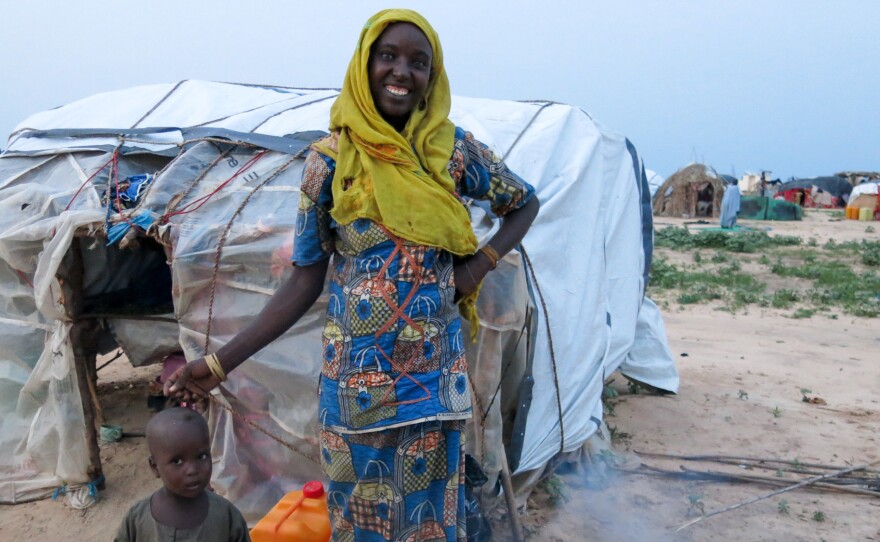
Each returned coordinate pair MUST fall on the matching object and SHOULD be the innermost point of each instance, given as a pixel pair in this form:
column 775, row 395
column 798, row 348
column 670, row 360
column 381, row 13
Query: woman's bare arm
column 286, row 306
column 514, row 226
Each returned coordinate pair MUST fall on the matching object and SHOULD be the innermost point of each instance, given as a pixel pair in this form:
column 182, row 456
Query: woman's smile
column 399, row 72
column 397, row 91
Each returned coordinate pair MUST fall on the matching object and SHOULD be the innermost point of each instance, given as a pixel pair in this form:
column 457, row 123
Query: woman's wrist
column 482, row 261
column 490, row 254
column 215, row 368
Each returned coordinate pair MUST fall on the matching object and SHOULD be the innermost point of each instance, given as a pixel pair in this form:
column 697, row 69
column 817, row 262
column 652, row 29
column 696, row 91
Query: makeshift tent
column 856, row 178
column 819, row 192
column 97, row 195
column 766, row 208
column 865, row 195
column 694, row 191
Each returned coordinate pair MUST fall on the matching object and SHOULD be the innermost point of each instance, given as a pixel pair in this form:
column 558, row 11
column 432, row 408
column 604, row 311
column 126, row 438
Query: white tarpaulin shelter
column 206, row 177
column 870, row 188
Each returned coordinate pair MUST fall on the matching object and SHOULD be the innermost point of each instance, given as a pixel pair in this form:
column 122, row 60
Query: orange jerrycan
column 300, row 516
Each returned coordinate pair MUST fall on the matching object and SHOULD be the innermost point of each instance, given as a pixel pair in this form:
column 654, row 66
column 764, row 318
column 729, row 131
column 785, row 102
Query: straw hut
column 692, row 192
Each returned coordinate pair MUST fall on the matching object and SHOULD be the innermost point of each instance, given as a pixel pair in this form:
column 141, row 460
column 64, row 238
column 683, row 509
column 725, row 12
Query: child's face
column 182, row 459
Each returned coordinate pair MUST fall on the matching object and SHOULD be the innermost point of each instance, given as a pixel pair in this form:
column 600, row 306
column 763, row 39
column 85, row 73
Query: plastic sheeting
column 42, row 427
column 229, row 217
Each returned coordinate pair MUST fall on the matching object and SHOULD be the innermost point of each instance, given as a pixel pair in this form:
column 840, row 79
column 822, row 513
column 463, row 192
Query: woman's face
column 399, row 72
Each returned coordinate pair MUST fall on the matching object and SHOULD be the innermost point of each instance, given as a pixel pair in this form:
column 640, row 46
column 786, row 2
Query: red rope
column 83, row 185
column 199, row 202
column 24, row 277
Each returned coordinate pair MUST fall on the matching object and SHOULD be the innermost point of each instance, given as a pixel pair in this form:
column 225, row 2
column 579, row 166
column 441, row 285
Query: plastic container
column 300, row 516
column 866, row 214
column 852, row 213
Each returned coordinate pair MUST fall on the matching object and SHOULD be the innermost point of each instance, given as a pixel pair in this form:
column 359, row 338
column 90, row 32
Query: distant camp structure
column 864, row 201
column 692, row 192
column 767, row 208
column 818, row 192
column 856, row 178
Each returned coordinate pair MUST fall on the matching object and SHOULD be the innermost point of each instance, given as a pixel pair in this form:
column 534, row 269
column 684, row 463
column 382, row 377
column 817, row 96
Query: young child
column 182, row 510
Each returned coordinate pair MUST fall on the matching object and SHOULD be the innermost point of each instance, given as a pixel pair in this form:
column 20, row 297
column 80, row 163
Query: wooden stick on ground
column 780, row 482
column 784, row 467
column 515, row 523
column 710, row 476
column 803, row 483
column 718, row 458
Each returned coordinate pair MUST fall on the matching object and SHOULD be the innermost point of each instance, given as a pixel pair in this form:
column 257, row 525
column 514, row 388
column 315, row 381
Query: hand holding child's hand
column 192, row 381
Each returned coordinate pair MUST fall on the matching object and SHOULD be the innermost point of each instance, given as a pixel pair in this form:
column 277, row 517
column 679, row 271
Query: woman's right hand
column 192, row 381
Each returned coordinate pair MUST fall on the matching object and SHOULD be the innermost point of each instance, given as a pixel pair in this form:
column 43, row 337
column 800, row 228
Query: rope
column 219, row 253
column 504, row 373
column 160, row 102
column 259, row 428
column 199, row 202
column 24, row 277
column 217, row 257
column 221, row 156
column 272, row 116
column 112, row 159
column 528, row 125
column 211, row 397
column 145, row 195
column 550, row 341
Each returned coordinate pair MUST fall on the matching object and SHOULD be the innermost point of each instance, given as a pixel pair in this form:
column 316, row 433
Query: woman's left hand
column 469, row 274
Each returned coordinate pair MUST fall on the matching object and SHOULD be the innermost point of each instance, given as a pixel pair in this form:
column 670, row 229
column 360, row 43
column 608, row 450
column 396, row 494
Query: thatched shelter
column 692, row 192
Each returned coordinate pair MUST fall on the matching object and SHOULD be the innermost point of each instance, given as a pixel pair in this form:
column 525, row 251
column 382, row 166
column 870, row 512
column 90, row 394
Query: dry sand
column 764, row 353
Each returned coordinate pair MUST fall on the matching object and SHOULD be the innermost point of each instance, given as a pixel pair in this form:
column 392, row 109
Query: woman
column 730, row 204
column 381, row 195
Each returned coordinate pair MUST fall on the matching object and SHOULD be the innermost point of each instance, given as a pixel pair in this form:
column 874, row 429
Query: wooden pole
column 83, row 375
column 510, row 497
column 778, row 492
column 72, row 291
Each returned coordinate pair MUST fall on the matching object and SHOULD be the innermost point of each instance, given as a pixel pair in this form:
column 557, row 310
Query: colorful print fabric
column 392, row 342
column 410, row 488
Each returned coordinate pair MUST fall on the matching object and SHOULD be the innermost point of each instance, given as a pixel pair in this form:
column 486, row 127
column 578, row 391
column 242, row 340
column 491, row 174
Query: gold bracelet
column 215, row 367
column 492, row 254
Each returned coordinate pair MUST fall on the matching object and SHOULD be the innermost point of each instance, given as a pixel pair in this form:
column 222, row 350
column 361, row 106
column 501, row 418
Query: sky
column 790, row 86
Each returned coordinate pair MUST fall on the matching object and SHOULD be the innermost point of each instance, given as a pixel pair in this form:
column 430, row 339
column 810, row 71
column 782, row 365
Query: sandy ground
column 740, row 395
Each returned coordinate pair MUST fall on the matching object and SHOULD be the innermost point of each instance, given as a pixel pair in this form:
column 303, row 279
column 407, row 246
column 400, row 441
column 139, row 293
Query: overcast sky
column 791, row 86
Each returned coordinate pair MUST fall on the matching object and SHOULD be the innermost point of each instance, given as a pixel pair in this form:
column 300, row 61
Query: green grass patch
column 750, row 241
column 838, row 276
column 784, row 298
column 727, row 284
column 836, row 284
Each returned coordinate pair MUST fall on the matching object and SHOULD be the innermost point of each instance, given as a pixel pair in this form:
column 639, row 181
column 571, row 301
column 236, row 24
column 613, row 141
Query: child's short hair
column 160, row 425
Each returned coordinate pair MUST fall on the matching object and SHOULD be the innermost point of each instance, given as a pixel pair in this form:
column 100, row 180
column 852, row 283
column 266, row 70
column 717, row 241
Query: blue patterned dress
column 394, row 389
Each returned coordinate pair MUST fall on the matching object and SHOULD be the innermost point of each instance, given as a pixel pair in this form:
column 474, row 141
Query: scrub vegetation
column 736, row 271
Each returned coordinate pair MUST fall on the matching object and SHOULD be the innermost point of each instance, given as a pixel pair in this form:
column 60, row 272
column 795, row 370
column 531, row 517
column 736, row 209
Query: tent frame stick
column 510, row 498
column 800, row 484
column 83, row 378
column 84, row 363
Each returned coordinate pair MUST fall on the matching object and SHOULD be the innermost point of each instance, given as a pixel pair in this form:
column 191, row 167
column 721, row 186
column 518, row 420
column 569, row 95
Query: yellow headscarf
column 398, row 179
